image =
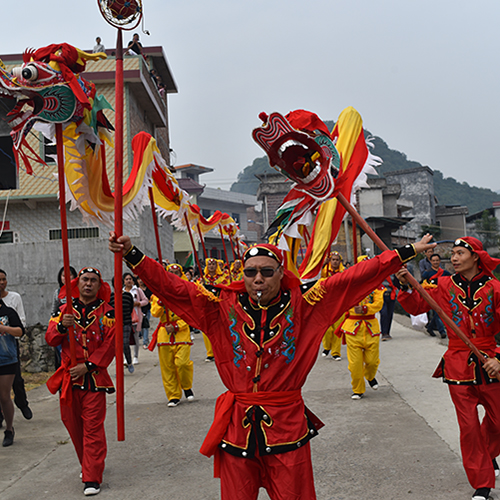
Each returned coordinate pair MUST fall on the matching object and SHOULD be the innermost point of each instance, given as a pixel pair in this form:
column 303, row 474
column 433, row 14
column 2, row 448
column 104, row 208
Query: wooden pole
column 155, row 223
column 412, row 281
column 120, row 397
column 64, row 236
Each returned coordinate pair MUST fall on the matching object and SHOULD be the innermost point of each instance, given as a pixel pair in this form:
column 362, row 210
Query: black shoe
column 481, row 494
column 495, row 466
column 8, row 440
column 373, row 383
column 173, row 402
column 357, row 396
column 443, row 335
column 91, row 489
column 27, row 413
column 431, row 333
column 189, row 394
column 209, row 359
column 325, row 353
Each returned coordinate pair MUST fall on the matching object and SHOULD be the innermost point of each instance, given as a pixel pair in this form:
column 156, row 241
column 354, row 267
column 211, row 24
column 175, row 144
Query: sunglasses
column 265, row 272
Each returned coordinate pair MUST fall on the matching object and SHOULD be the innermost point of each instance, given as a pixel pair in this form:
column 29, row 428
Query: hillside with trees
column 448, row 191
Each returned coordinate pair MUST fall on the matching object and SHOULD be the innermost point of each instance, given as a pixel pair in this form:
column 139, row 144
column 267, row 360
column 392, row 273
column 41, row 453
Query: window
column 49, row 151
column 7, row 237
column 75, row 233
column 236, row 218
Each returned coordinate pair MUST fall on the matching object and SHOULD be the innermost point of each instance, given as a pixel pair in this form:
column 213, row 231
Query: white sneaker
column 135, row 361
column 173, row 403
column 356, row 396
column 91, row 489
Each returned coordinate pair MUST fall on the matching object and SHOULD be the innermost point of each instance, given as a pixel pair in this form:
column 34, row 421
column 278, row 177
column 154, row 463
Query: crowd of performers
column 256, row 319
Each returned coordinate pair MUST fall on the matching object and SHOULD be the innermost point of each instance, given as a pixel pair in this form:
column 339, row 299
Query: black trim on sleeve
column 133, row 257
column 406, row 253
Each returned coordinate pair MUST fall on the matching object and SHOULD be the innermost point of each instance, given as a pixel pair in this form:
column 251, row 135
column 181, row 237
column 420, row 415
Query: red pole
column 64, row 236
column 155, row 222
column 223, row 244
column 232, row 247
column 412, row 281
column 192, row 243
column 120, row 398
column 202, row 241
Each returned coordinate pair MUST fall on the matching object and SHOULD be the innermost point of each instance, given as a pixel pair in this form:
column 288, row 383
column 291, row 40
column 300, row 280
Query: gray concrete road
column 400, row 442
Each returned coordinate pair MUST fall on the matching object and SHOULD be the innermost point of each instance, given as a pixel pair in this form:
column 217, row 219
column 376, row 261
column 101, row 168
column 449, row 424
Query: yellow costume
column 173, row 351
column 362, row 335
column 236, row 275
column 219, row 278
column 331, row 342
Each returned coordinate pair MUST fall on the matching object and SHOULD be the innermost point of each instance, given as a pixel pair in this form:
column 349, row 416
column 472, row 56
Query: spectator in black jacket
column 127, row 306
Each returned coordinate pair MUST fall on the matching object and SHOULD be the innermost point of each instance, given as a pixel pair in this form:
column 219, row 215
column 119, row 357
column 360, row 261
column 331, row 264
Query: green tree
column 487, row 230
column 431, row 229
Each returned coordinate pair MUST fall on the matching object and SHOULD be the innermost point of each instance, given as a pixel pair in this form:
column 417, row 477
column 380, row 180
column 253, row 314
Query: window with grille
column 75, row 233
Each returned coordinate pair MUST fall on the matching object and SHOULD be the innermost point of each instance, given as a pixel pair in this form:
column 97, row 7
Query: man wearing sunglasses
column 265, row 331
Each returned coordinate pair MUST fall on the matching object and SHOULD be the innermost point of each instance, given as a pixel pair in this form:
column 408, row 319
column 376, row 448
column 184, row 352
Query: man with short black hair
column 471, row 298
column 84, row 386
column 266, row 331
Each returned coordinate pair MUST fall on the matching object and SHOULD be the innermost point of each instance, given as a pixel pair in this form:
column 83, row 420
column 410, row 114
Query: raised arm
column 190, row 301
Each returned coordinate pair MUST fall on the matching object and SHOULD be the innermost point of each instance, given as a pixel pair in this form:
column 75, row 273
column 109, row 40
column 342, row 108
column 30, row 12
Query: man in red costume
column 84, row 386
column 265, row 333
column 471, row 297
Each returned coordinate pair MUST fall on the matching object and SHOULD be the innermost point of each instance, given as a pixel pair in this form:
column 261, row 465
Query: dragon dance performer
column 266, row 331
column 471, row 297
column 236, row 270
column 84, row 386
column 362, row 333
column 213, row 274
column 174, row 348
column 331, row 342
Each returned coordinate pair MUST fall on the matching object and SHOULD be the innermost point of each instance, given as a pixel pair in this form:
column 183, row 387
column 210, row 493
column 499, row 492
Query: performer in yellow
column 331, row 342
column 236, row 270
column 174, row 348
column 213, row 274
column 362, row 335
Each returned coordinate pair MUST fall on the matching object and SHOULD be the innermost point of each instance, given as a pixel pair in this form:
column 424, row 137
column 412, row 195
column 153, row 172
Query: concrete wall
column 417, row 185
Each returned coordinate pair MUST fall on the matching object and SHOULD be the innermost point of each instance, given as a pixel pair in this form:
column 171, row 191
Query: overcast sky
column 423, row 74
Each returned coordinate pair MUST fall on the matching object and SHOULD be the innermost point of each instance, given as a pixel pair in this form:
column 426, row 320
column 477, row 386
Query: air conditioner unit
column 17, row 237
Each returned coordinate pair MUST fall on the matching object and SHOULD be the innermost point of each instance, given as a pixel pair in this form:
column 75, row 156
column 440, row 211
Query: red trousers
column 286, row 476
column 85, row 424
column 479, row 441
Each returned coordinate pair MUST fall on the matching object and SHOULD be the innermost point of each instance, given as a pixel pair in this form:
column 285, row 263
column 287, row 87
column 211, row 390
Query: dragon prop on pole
column 122, row 15
column 320, row 185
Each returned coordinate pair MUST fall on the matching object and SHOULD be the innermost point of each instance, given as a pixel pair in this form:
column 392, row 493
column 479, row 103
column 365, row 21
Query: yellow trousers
column 363, row 357
column 331, row 342
column 176, row 369
column 208, row 346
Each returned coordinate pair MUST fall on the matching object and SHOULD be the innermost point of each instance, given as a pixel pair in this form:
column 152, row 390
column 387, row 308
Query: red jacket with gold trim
column 94, row 333
column 268, row 349
column 474, row 307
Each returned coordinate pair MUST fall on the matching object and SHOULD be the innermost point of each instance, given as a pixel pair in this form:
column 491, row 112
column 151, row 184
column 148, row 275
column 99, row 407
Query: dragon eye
column 30, row 73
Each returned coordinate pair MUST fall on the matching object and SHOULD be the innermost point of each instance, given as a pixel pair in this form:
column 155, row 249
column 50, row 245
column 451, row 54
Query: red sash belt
column 364, row 316
column 62, row 380
column 224, row 407
column 481, row 343
column 154, row 337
